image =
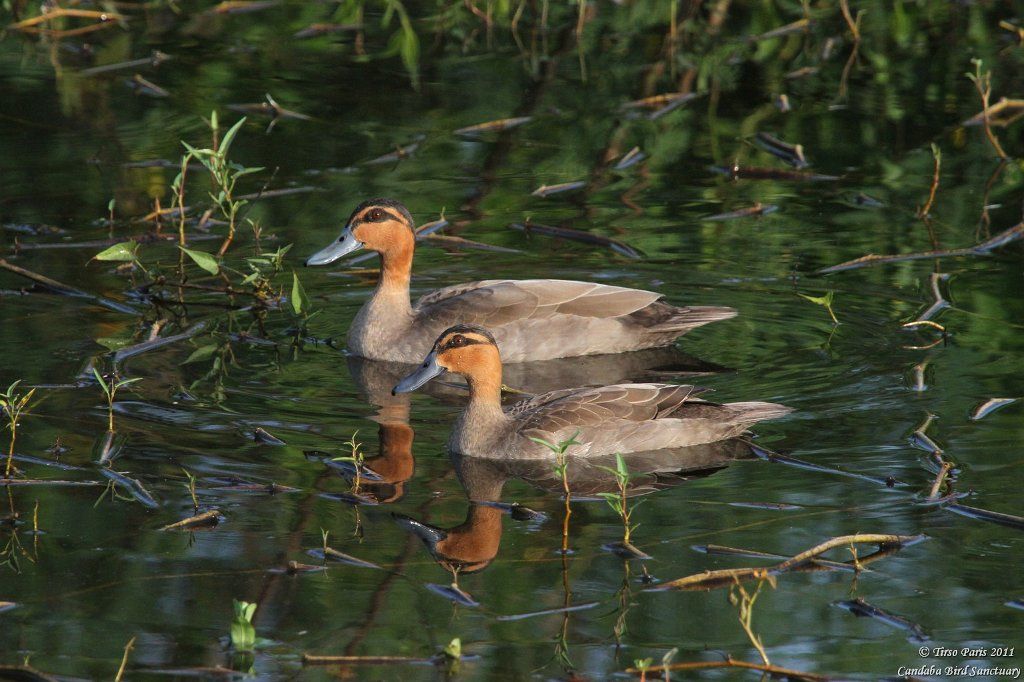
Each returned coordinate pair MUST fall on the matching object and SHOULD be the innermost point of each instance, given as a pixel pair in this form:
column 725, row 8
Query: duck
column 532, row 319
column 597, row 421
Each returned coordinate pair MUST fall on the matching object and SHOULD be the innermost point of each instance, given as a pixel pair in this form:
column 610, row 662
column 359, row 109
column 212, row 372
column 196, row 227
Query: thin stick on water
column 926, row 209
column 124, row 660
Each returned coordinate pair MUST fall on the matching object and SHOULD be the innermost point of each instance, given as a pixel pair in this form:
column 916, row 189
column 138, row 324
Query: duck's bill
column 345, row 245
column 427, row 371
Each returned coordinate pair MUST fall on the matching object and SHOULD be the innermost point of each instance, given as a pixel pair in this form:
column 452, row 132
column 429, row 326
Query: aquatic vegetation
column 824, row 301
column 619, row 501
column 110, row 387
column 243, row 632
column 15, row 406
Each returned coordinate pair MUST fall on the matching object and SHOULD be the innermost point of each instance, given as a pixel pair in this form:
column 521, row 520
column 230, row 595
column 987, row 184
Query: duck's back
column 627, row 418
column 542, row 319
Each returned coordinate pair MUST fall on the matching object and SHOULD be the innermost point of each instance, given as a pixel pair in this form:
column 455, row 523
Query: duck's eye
column 376, row 215
column 458, row 340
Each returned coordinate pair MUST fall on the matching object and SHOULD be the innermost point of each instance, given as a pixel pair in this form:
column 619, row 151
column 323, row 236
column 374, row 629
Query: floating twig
column 774, row 457
column 757, row 209
column 155, row 59
column 730, row 662
column 990, row 406
column 578, row 236
column 141, row 86
column 926, row 209
column 736, row 172
column 206, row 519
column 66, row 290
column 330, row 554
column 548, row 612
column 793, row 154
column 548, row 190
column 123, row 354
column 983, row 249
column 137, row 490
column 497, row 126
column 862, row 609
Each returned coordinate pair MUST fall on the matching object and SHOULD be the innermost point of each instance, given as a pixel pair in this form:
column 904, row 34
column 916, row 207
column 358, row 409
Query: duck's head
column 464, row 349
column 381, row 225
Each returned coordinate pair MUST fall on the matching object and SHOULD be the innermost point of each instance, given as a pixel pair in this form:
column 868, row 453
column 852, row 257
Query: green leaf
column 229, row 137
column 203, row 260
column 113, row 202
column 102, row 383
column 201, row 353
column 454, row 649
column 125, row 251
column 825, row 300
column 114, row 342
column 299, row 300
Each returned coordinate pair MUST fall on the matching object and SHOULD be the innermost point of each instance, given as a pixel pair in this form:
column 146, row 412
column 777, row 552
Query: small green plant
column 324, row 534
column 642, row 664
column 190, row 486
column 243, row 633
column 825, row 301
column 452, row 654
column 15, row 406
column 561, row 469
column 225, row 175
column 618, row 500
column 110, row 389
column 356, row 457
column 744, row 601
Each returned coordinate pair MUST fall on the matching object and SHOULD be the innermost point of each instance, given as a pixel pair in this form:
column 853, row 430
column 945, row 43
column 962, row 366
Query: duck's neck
column 395, row 273
column 484, row 409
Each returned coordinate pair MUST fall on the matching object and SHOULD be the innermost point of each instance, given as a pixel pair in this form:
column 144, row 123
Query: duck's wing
column 587, row 407
column 498, row 302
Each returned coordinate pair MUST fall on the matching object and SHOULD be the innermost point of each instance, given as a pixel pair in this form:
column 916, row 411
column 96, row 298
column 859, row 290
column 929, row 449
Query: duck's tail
column 680, row 320
column 753, row 412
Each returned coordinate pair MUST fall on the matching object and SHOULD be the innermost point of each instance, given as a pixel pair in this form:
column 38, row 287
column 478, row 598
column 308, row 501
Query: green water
column 102, row 573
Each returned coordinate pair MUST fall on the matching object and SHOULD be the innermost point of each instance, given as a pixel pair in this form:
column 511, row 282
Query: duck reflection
column 472, row 545
column 394, row 464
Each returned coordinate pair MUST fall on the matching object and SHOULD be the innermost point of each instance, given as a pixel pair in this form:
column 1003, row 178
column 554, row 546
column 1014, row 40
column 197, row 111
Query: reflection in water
column 472, row 545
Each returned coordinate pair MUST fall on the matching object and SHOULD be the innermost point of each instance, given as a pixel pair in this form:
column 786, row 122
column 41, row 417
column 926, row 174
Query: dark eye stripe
column 466, row 341
column 371, row 216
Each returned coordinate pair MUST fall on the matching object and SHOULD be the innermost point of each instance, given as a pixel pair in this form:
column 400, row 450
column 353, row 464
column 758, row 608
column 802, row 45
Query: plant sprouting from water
column 225, row 175
column 243, row 632
column 561, row 469
column 619, row 500
column 110, row 389
column 642, row 664
column 356, row 457
column 190, row 486
column 744, row 601
column 14, row 405
column 825, row 301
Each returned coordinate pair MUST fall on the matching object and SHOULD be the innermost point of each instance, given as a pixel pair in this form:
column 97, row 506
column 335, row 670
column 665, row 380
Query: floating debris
column 983, row 249
column 660, row 101
column 238, row 485
column 37, row 230
column 317, row 30
column 629, row 159
column 270, row 108
column 137, row 490
column 242, row 6
column 754, row 173
column 549, row 190
column 578, row 236
column 65, row 290
column 295, row 568
column 626, row 550
column 1001, row 114
column 1016, row 604
column 108, row 446
column 123, row 354
column 791, row 154
column 313, row 659
column 155, row 59
column 1008, row 520
column 329, row 554
column 774, row 457
column 990, row 406
column 454, row 593
column 782, row 103
column 862, row 609
column 773, row 506
column 728, row 576
column 399, row 154
column 207, row 519
column 49, row 481
column 141, row 86
column 6, row 606
column 261, row 435
column 673, row 105
column 798, row 26
column 548, row 612
column 863, row 200
column 757, row 209
column 754, row 554
column 498, row 126
column 801, row 73
column 460, row 243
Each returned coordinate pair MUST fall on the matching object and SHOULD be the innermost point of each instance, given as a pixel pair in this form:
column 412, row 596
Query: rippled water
column 102, row 572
